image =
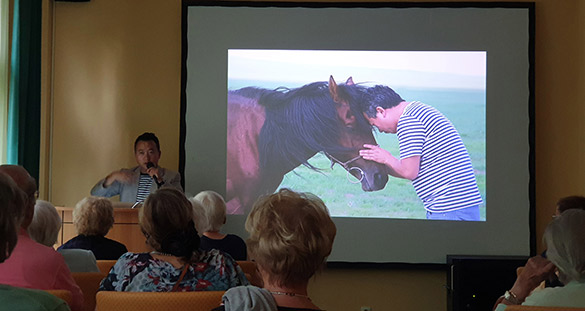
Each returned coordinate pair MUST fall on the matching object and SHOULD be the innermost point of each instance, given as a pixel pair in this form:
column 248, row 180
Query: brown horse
column 271, row 132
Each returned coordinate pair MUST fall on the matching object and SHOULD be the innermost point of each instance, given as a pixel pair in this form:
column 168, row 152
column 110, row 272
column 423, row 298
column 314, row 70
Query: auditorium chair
column 157, row 301
column 105, row 265
column 61, row 293
column 248, row 266
column 89, row 282
column 539, row 308
column 250, row 270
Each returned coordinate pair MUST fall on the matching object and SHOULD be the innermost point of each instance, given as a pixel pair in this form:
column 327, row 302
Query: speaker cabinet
column 475, row 282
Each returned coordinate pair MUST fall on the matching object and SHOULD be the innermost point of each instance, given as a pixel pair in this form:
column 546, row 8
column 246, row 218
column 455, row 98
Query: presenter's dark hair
column 147, row 136
column 379, row 96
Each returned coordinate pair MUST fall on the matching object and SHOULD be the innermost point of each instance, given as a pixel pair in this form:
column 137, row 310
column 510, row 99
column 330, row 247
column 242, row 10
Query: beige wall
column 117, row 74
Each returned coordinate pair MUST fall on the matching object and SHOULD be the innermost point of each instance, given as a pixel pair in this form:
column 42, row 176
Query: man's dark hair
column 147, row 137
column 571, row 202
column 379, row 96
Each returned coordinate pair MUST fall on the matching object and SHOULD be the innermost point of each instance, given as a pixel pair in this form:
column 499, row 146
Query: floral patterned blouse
column 140, row 272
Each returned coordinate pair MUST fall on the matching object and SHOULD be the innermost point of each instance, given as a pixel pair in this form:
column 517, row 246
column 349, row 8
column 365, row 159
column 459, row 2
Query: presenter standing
column 135, row 184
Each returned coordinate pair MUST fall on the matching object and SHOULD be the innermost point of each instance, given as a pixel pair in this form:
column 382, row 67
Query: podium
column 126, row 229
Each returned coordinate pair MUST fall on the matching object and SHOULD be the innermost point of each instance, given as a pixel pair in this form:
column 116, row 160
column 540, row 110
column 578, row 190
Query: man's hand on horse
column 376, row 154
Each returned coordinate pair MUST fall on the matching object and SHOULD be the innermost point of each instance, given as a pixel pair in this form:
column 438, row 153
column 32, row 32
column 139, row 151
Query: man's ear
column 381, row 110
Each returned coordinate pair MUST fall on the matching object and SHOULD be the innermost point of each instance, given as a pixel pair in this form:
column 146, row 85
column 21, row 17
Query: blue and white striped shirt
column 445, row 180
column 144, row 184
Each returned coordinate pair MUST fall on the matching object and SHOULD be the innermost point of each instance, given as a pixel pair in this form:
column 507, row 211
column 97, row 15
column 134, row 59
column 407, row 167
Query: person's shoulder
column 255, row 297
column 215, row 257
column 42, row 252
column 30, row 299
column 232, row 238
column 115, row 243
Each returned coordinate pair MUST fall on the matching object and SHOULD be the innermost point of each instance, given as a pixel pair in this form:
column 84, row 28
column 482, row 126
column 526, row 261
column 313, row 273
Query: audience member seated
column 93, row 217
column 570, row 202
column 291, row 235
column 563, row 204
column 12, row 201
column 212, row 216
column 32, row 265
column 564, row 238
column 44, row 229
column 176, row 264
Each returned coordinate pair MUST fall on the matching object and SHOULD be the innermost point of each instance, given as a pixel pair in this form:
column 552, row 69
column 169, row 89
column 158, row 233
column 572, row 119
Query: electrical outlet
column 365, row 309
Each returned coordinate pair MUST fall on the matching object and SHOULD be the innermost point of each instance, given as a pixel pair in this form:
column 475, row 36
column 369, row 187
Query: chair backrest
column 61, row 293
column 248, row 266
column 540, row 308
column 105, row 265
column 168, row 301
column 251, row 271
column 89, row 282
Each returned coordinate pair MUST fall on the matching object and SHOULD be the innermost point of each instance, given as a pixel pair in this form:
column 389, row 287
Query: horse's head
column 355, row 131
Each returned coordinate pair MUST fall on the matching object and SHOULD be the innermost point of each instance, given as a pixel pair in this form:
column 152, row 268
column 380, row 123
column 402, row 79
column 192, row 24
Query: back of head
column 379, row 96
column 27, row 184
column 11, row 201
column 291, row 235
column 45, row 224
column 166, row 219
column 565, row 238
column 570, row 202
column 214, row 210
column 93, row 216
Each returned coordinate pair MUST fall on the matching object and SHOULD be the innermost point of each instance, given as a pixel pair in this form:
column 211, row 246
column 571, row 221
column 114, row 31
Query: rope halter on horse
column 350, row 177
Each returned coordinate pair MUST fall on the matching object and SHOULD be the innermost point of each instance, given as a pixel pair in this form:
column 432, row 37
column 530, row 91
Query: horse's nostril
column 377, row 177
column 380, row 180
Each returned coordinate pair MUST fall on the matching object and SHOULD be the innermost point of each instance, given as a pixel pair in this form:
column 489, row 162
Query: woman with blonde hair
column 44, row 229
column 93, row 217
column 212, row 211
column 176, row 264
column 291, row 235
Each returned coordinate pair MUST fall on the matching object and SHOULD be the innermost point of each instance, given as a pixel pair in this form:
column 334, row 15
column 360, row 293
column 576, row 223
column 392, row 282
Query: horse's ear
column 333, row 89
column 349, row 81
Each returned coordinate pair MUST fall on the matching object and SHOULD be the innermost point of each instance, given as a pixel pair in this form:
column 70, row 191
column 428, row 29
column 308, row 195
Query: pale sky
column 407, row 68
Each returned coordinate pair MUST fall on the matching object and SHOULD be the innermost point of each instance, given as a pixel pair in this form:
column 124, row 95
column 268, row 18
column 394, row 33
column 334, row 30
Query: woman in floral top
column 176, row 265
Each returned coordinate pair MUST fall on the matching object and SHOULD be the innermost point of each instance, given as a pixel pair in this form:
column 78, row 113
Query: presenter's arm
column 112, row 184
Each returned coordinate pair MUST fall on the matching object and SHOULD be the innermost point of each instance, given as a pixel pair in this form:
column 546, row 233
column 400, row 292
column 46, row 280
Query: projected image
column 392, row 135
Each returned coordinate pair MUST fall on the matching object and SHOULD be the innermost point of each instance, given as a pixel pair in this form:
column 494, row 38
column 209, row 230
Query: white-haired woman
column 44, row 229
column 212, row 216
column 565, row 241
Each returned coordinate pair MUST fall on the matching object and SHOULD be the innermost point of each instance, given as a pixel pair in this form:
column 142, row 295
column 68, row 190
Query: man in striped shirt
column 135, row 184
column 432, row 154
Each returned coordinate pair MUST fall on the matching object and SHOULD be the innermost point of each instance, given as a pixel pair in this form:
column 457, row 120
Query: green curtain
column 24, row 102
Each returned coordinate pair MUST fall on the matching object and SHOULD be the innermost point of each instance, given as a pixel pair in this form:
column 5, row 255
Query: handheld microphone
column 155, row 177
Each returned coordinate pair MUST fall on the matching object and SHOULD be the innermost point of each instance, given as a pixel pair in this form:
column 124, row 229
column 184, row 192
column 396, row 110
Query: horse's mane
column 299, row 123
column 354, row 94
column 250, row 92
